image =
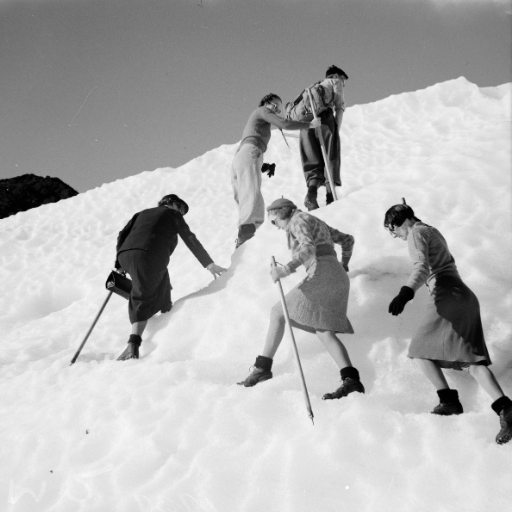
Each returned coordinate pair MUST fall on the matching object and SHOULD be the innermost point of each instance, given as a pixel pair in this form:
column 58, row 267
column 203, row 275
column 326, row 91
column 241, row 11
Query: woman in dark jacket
column 450, row 335
column 144, row 247
column 319, row 303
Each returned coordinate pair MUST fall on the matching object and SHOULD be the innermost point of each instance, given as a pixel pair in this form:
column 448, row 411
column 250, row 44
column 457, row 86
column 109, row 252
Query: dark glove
column 397, row 305
column 269, row 169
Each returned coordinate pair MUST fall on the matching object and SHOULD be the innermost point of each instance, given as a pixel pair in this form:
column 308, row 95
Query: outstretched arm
column 192, row 242
column 284, row 124
column 347, row 245
column 197, row 248
column 417, row 242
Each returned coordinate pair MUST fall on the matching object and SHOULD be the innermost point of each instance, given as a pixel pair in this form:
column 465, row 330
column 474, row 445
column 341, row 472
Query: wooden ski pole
column 75, row 357
column 297, row 358
column 324, row 151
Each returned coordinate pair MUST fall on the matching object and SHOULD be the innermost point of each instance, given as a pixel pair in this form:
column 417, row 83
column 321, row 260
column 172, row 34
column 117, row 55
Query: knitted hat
column 280, row 203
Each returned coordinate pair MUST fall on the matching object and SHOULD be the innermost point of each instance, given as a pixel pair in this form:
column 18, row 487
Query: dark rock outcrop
column 22, row 193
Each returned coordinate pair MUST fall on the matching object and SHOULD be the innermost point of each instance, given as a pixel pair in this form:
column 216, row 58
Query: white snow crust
column 172, row 431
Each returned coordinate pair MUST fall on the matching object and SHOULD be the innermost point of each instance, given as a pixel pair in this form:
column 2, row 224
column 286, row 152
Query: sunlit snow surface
column 172, row 431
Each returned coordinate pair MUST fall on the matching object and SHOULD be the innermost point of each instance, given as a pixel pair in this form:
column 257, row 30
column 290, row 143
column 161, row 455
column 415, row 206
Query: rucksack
column 300, row 108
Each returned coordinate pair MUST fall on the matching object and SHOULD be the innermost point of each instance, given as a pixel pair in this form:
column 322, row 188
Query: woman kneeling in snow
column 144, row 247
column 319, row 303
column 450, row 334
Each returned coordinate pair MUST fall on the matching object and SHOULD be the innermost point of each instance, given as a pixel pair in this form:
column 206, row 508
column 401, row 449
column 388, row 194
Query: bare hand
column 315, row 123
column 278, row 273
column 215, row 270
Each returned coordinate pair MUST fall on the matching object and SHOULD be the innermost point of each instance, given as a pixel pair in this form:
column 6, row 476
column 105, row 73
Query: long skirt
column 319, row 302
column 151, row 287
column 451, row 332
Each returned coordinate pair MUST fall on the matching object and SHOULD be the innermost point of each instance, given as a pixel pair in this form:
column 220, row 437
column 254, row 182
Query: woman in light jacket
column 450, row 334
column 319, row 303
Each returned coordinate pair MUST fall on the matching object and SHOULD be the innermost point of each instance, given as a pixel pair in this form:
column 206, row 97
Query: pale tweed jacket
column 306, row 232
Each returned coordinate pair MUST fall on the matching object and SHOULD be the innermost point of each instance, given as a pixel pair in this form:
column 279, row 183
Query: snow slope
column 171, row 431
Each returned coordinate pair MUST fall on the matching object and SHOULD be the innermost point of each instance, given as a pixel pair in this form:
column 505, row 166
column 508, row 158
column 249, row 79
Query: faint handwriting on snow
column 16, row 493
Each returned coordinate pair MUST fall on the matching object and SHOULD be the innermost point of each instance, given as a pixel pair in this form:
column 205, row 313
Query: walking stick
column 297, row 358
column 75, row 357
column 282, row 133
column 324, row 151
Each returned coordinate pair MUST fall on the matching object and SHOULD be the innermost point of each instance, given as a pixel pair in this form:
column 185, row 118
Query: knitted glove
column 279, row 272
column 397, row 305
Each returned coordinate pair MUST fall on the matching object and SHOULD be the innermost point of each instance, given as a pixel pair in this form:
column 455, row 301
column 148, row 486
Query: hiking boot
column 245, row 232
column 256, row 376
column 449, row 403
column 132, row 350
column 311, row 203
column 448, row 409
column 505, row 434
column 349, row 385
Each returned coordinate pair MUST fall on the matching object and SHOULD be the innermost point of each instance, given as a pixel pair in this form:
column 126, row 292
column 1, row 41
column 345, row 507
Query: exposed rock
column 22, row 193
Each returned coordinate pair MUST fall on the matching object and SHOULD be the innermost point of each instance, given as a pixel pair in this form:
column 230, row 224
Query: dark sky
column 94, row 91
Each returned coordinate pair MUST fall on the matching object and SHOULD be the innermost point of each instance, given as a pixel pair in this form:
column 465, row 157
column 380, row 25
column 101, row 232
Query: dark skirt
column 151, row 287
column 451, row 332
column 319, row 302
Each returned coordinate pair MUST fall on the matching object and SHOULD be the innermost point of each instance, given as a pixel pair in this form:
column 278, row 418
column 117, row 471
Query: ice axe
column 75, row 357
column 116, row 283
column 297, row 358
column 324, row 151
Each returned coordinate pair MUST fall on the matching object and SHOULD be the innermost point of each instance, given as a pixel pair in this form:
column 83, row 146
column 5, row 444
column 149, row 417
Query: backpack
column 300, row 108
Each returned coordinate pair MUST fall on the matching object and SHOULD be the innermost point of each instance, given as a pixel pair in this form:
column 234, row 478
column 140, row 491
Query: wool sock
column 312, row 191
column 349, row 372
column 263, row 363
column 448, row 396
column 500, row 404
column 135, row 339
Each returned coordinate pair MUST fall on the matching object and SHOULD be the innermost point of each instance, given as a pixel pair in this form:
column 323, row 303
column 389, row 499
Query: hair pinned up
column 268, row 98
column 397, row 215
column 173, row 199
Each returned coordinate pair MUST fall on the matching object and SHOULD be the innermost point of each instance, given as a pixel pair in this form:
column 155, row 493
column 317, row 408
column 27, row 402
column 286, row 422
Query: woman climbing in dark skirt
column 319, row 303
column 144, row 247
column 450, row 334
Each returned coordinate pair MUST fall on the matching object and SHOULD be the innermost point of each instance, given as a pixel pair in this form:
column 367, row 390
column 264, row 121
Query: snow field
column 171, row 431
